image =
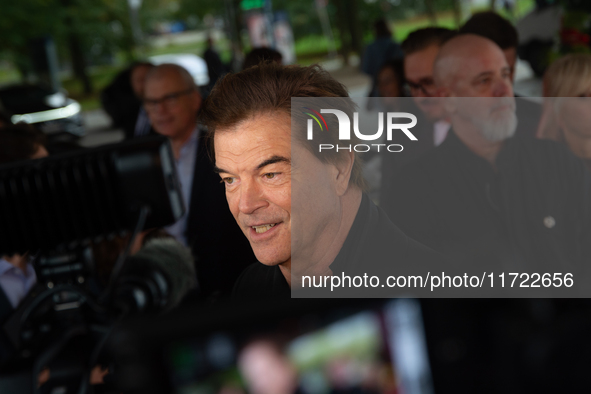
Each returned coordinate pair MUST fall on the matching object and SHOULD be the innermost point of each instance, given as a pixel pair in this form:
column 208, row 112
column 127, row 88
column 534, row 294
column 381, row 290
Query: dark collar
column 365, row 220
column 473, row 165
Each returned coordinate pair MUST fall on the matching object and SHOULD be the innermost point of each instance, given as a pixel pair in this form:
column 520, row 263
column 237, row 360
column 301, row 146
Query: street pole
column 136, row 29
column 326, row 29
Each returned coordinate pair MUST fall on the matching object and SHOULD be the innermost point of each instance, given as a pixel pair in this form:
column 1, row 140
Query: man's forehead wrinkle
column 247, row 160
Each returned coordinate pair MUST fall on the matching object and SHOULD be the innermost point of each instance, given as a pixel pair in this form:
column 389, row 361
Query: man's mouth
column 263, row 228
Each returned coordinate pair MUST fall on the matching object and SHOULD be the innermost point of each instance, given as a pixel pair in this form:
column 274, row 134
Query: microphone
column 156, row 278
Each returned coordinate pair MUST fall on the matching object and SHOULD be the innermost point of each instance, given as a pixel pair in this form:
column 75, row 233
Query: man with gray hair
column 484, row 197
column 172, row 101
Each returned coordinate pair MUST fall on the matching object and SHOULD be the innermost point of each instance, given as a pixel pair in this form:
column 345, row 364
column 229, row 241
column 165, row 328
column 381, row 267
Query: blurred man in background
column 420, row 49
column 122, row 100
column 172, row 101
column 491, row 25
column 483, row 197
column 499, row 30
column 215, row 67
column 258, row 55
column 380, row 51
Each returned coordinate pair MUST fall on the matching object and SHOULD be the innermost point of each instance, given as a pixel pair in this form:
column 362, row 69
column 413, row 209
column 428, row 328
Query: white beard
column 498, row 128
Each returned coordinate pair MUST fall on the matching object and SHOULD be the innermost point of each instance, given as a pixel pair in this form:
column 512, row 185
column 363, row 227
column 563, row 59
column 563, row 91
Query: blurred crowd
column 492, row 178
column 145, row 99
column 412, row 76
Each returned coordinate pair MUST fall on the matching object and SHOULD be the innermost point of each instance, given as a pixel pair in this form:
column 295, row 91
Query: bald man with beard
column 486, row 198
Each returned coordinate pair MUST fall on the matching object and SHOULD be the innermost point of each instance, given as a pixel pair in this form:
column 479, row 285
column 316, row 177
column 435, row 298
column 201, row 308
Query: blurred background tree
column 96, row 38
column 86, row 32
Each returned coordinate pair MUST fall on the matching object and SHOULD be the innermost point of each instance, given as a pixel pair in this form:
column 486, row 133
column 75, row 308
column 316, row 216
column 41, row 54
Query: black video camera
column 54, row 209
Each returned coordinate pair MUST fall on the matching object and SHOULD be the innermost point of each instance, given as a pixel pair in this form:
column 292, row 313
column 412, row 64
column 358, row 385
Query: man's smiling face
column 264, row 172
column 254, row 161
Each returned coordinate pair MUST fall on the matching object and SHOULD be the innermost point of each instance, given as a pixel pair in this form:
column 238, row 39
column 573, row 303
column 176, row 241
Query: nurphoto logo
column 345, row 129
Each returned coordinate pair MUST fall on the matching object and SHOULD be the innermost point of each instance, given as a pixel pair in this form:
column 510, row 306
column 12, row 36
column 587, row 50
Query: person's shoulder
column 550, row 154
column 547, row 146
column 418, row 253
column 407, row 249
column 419, row 170
column 261, row 281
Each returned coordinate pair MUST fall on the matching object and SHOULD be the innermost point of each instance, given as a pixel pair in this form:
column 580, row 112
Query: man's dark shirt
column 532, row 212
column 528, row 117
column 393, row 163
column 121, row 104
column 374, row 246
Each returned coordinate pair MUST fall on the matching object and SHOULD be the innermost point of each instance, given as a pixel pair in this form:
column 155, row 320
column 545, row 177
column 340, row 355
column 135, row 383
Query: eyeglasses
column 425, row 86
column 168, row 100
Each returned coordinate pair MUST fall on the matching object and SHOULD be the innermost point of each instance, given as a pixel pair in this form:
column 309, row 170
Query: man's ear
column 344, row 169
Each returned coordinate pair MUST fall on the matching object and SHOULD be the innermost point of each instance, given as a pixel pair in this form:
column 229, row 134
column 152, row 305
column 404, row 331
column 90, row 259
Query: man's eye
column 270, row 175
column 228, row 180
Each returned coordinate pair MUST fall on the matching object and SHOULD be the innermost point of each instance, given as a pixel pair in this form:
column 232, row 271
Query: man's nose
column 251, row 197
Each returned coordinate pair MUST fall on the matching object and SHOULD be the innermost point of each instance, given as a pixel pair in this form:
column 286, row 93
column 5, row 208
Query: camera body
column 54, row 210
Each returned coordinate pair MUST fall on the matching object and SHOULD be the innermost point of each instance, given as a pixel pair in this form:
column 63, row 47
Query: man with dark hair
column 17, row 276
column 215, row 67
column 424, row 38
column 420, row 49
column 122, row 100
column 489, row 200
column 258, row 55
column 499, row 30
column 303, row 211
column 381, row 50
column 172, row 101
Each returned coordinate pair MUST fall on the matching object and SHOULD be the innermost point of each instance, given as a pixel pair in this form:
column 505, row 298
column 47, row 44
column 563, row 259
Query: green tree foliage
column 199, row 8
column 85, row 31
column 304, row 17
column 22, row 21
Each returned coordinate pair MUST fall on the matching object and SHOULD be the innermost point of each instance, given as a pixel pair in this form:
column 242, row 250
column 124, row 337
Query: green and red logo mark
column 316, row 118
